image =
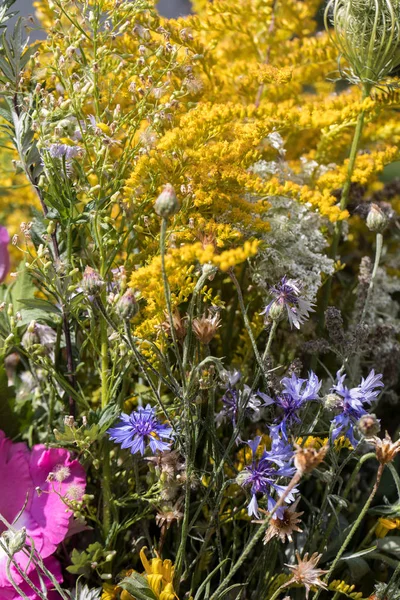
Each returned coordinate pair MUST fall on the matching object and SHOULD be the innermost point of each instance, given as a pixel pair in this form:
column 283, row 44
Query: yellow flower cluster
column 159, row 575
column 386, row 524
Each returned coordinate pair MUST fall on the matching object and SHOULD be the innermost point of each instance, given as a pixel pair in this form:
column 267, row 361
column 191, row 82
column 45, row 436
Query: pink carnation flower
column 46, row 516
column 4, row 254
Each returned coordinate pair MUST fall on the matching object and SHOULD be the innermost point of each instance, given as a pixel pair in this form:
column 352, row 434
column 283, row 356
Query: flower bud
column 30, row 337
column 16, row 541
column 276, row 311
column 92, row 283
column 369, row 425
column 167, row 204
column 376, row 220
column 332, row 401
column 127, row 306
column 367, row 33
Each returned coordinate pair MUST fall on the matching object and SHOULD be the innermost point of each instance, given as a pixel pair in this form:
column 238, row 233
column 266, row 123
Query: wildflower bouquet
column 199, row 318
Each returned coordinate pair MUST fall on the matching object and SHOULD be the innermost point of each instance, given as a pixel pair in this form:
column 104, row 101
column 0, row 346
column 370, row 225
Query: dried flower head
column 307, row 459
column 165, row 518
column 283, row 526
column 178, row 323
column 386, row 450
column 367, row 33
column 306, row 572
column 206, row 327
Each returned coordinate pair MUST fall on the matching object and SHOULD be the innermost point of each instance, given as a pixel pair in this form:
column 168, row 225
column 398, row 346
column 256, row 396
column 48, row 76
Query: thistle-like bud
column 16, row 541
column 167, row 204
column 367, row 33
column 376, row 220
column 369, row 425
column 276, row 311
column 92, row 283
column 127, row 306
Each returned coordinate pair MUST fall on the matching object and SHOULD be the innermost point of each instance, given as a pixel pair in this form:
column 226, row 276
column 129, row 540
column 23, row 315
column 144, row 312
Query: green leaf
column 8, row 419
column 39, row 304
column 138, row 586
column 390, row 544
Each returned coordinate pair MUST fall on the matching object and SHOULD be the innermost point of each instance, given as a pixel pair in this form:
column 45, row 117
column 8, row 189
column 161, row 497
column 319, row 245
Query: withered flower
column 307, row 459
column 283, row 527
column 306, row 572
column 386, row 450
column 206, row 327
column 178, row 323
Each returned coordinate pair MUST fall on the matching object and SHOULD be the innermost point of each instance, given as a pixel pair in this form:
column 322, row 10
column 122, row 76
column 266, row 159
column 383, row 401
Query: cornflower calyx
column 367, row 33
column 376, row 220
column 92, row 283
column 287, row 296
column 167, row 204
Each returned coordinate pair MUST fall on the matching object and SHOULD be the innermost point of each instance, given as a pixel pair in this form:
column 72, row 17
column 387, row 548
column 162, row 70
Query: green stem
column 352, row 531
column 246, row 321
column 255, row 539
column 378, row 254
column 346, row 492
column 344, row 199
column 167, row 292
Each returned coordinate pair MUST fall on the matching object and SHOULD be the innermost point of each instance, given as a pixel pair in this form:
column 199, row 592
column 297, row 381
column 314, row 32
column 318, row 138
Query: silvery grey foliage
column 295, row 247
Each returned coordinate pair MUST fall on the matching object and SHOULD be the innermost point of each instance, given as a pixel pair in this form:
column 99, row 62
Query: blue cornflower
column 262, row 474
column 352, row 403
column 295, row 393
column 287, row 296
column 234, row 401
column 139, row 429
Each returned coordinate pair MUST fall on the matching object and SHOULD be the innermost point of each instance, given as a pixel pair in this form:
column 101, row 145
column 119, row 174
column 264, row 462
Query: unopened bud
column 127, row 306
column 376, row 220
column 167, row 204
column 92, row 283
column 369, row 425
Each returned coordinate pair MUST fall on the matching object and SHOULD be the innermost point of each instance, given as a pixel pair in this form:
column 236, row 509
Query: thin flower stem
column 346, row 492
column 344, row 199
column 256, row 538
column 246, row 321
column 378, row 254
column 167, row 293
column 280, row 590
column 352, row 531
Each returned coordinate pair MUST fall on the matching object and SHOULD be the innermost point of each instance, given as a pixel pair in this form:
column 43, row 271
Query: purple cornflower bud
column 140, row 429
column 287, row 297
column 92, row 283
column 127, row 305
column 353, row 403
column 4, row 253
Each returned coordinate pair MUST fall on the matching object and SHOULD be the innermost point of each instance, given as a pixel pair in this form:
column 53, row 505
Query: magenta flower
column 42, row 478
column 4, row 254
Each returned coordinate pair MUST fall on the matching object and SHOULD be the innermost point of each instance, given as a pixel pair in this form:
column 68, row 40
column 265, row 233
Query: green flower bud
column 167, row 204
column 127, row 306
column 376, row 220
column 92, row 283
column 16, row 541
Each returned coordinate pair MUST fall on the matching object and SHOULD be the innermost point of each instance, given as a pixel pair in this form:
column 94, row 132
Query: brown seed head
column 386, row 450
column 206, row 327
column 306, row 459
column 306, row 572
